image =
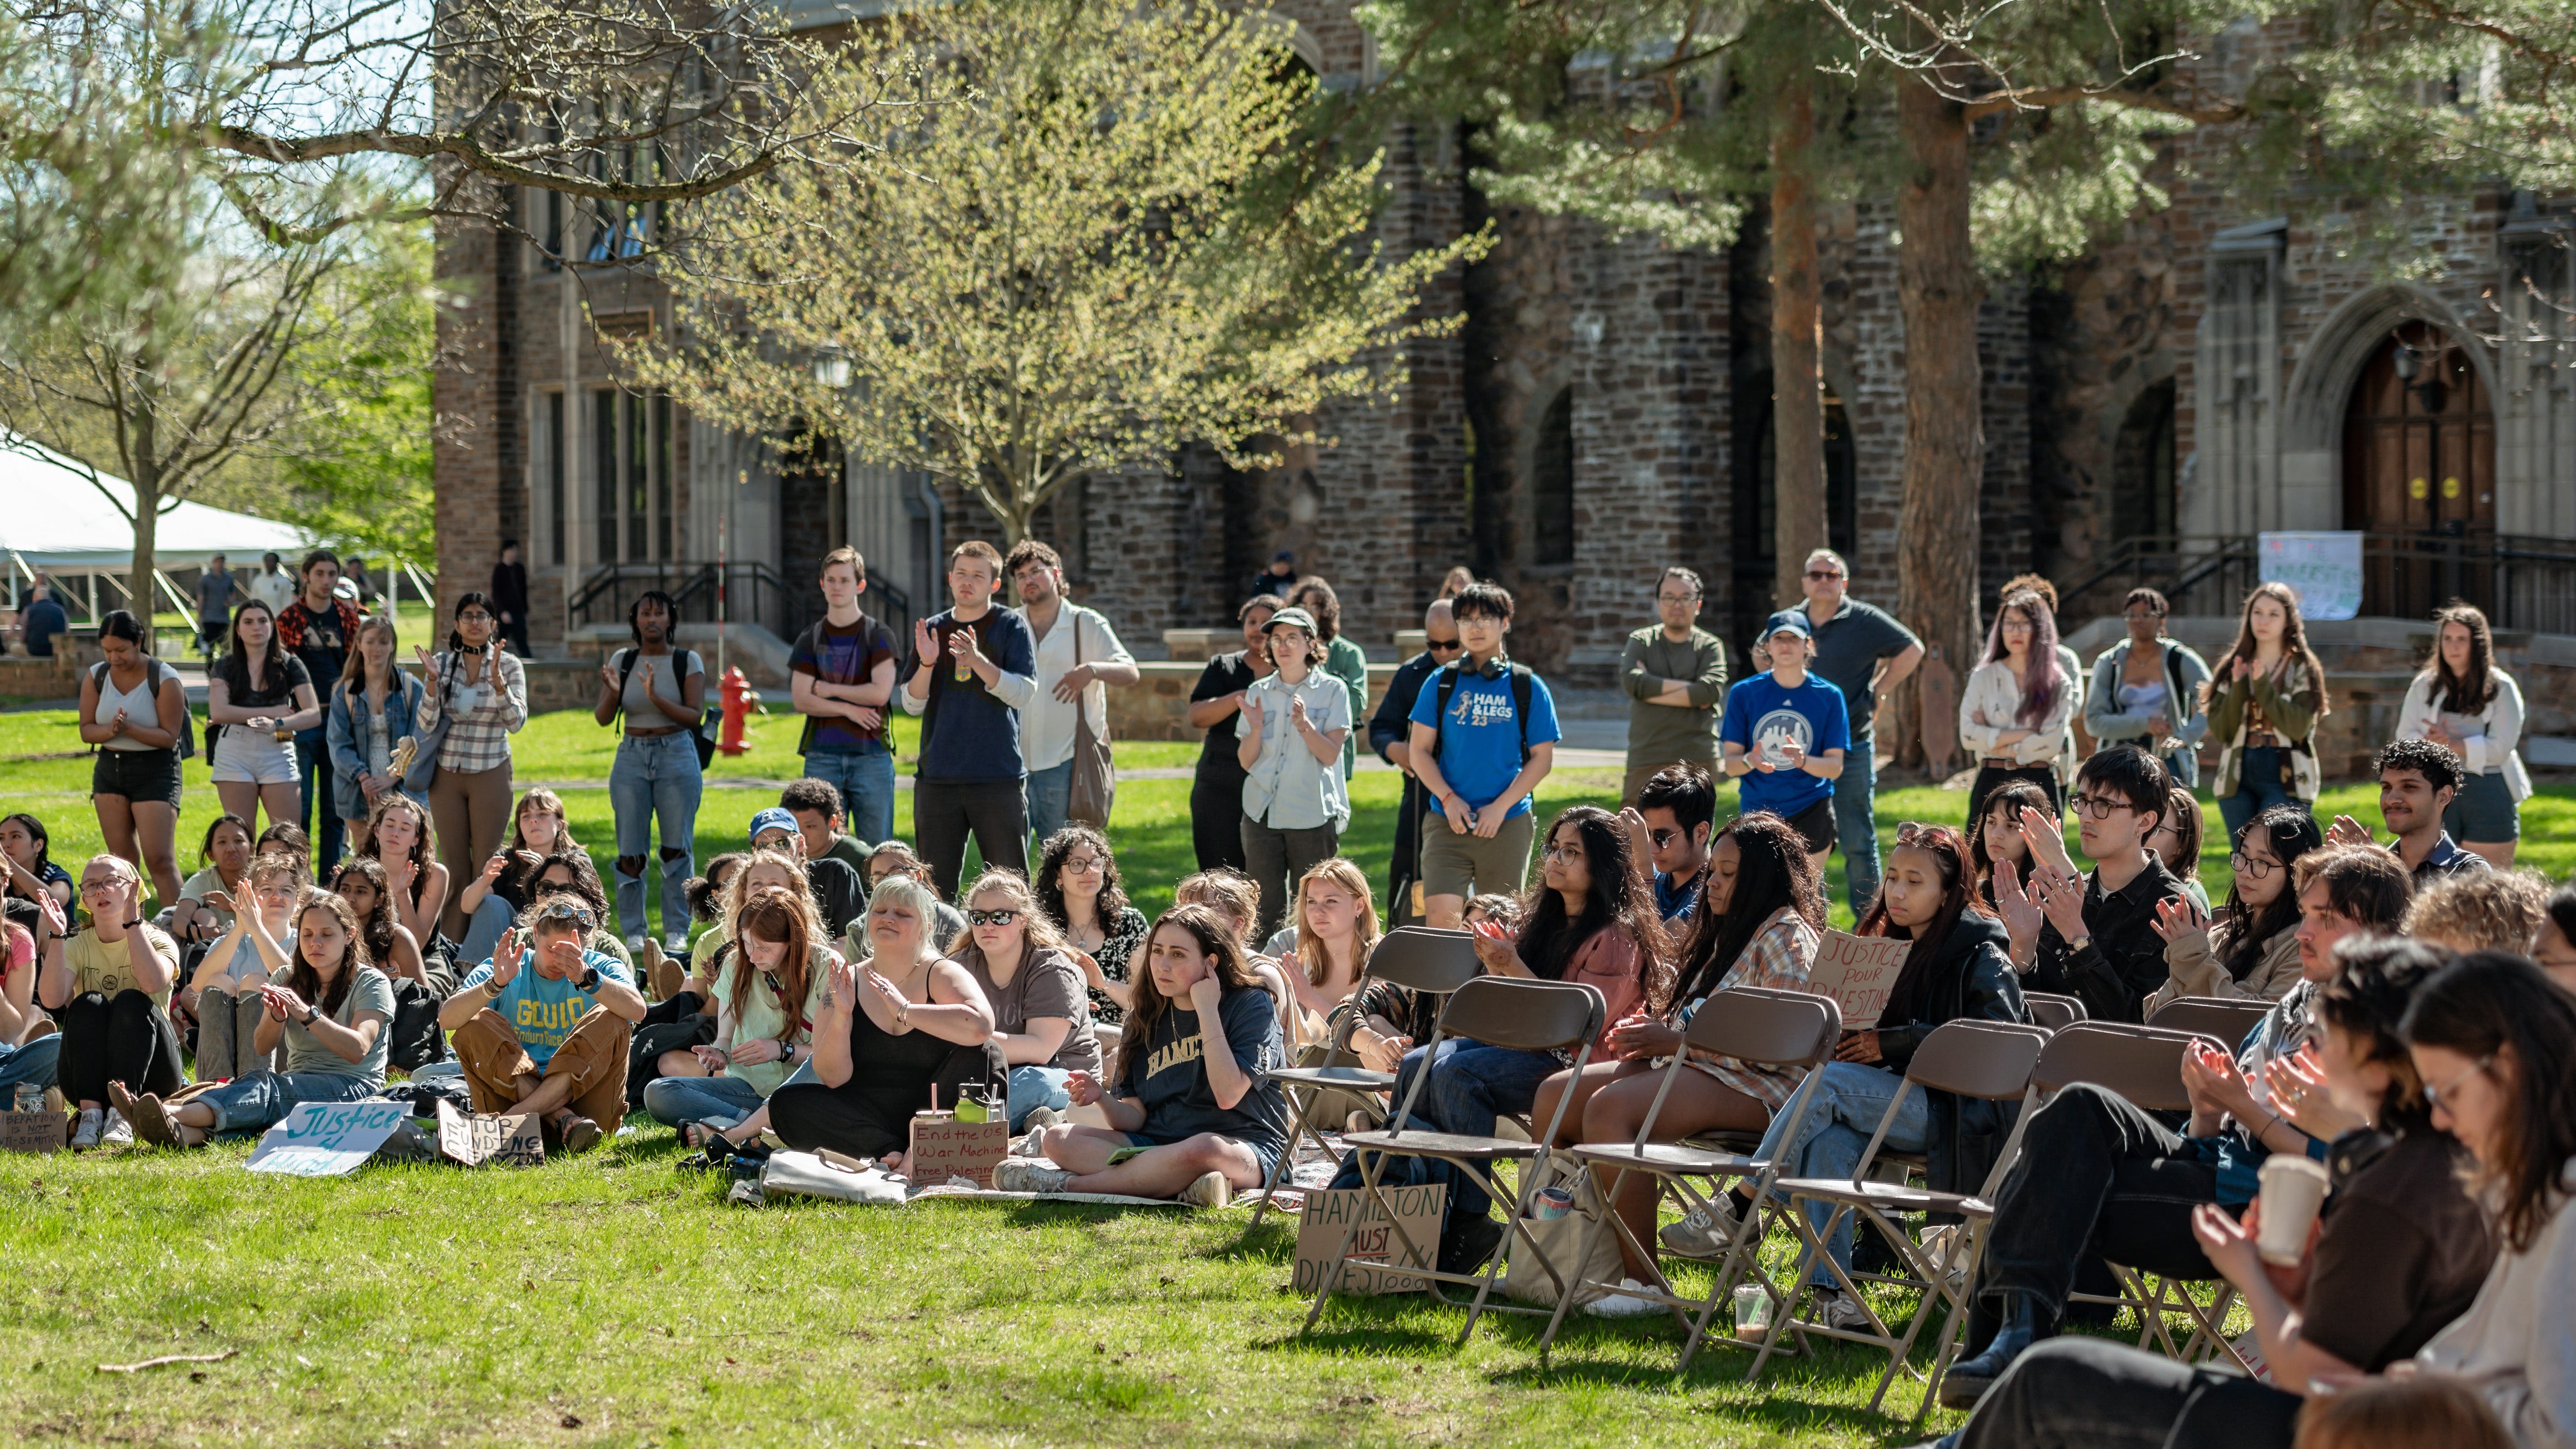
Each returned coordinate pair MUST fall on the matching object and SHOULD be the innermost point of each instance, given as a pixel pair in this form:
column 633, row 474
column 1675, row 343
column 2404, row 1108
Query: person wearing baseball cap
column 1785, row 734
column 1290, row 730
column 839, row 892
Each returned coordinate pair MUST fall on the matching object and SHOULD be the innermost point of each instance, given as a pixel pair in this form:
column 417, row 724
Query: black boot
column 1468, row 1242
column 1969, row 1378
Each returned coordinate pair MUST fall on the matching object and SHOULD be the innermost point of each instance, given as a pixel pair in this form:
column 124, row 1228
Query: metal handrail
column 2523, row 581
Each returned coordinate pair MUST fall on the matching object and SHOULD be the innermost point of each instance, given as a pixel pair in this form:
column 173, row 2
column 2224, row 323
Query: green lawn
column 612, row 1300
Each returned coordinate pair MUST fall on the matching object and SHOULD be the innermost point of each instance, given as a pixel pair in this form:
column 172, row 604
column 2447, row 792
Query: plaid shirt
column 1778, row 957
column 479, row 739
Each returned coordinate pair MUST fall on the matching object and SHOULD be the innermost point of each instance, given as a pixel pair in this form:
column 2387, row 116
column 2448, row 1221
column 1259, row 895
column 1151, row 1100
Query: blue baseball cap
column 1790, row 621
column 773, row 818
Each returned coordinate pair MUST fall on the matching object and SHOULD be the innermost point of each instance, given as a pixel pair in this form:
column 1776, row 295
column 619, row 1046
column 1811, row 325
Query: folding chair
column 1987, row 1060
column 2227, row 1020
column 1783, row 1029
column 2054, row 1012
column 1416, row 958
column 1501, row 1011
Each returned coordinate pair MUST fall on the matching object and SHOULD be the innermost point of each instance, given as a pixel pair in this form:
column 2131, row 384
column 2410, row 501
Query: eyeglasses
column 1086, row 864
column 1820, row 575
column 2433, row 1095
column 2252, row 867
column 106, row 887
column 1565, row 852
column 1676, row 598
column 2098, row 807
column 474, row 616
column 992, row 918
column 1442, row 646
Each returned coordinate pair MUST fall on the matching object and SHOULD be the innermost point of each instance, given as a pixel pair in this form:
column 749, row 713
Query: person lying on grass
column 330, row 1007
column 1190, row 1114
column 237, row 968
column 546, row 1029
column 767, row 995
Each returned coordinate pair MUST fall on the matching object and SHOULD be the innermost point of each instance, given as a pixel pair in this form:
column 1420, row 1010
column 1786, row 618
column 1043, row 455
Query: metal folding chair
column 2054, row 1012
column 1987, row 1060
column 1501, row 1011
column 1772, row 1029
column 1416, row 958
column 2223, row 1019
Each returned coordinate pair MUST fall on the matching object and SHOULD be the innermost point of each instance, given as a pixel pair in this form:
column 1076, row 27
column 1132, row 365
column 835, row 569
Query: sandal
column 702, row 1134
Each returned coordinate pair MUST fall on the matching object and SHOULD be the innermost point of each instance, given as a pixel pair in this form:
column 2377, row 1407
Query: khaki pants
column 471, row 812
column 594, row 1056
column 1469, row 865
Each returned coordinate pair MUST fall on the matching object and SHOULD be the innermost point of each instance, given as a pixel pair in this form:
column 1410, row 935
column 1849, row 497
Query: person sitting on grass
column 2418, row 780
column 2485, row 910
column 223, row 858
column 109, row 986
column 767, row 995
column 493, row 899
column 1236, row 898
column 683, row 1013
column 544, row 1029
column 1078, row 889
column 227, row 989
column 391, row 947
column 397, row 837
column 1995, row 837
column 1957, row 970
column 896, row 858
column 1041, row 1016
column 901, row 1031
column 2253, row 955
column 2400, row 1252
column 24, row 1057
column 26, row 850
column 569, row 872
column 1191, row 1115
column 817, row 806
column 330, row 1007
column 838, row 892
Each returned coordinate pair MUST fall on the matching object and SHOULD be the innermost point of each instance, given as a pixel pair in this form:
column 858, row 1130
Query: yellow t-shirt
column 106, row 968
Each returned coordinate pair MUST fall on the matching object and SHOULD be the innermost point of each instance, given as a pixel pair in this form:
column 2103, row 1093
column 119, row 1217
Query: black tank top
column 896, row 1070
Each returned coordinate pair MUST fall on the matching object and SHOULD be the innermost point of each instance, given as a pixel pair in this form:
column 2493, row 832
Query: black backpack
column 710, row 717
column 187, row 741
column 1522, row 687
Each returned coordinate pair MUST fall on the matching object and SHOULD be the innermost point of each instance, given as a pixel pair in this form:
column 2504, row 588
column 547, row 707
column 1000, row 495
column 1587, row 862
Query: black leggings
column 2084, row 1393
column 127, row 1040
column 871, row 1119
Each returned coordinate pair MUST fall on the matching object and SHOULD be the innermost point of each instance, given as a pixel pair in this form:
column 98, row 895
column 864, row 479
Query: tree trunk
column 147, row 521
column 1938, row 289
column 1797, row 319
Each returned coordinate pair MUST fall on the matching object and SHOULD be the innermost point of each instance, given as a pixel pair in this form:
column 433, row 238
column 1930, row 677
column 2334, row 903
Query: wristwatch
column 588, row 981
column 310, row 1016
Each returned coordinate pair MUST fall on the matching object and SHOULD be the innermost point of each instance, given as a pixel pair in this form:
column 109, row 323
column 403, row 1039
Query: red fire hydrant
column 739, row 701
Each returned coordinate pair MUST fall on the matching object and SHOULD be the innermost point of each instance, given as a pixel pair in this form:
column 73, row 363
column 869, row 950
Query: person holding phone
column 478, row 690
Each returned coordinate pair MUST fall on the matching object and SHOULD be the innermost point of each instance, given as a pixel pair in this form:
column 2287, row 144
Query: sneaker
column 676, row 947
column 1027, row 1146
column 1030, row 1174
column 1042, row 1117
column 1467, row 1243
column 118, row 1132
column 1704, row 1232
column 85, row 1136
column 635, row 944
column 745, row 1193
column 1623, row 1304
column 1837, row 1309
column 1209, row 1190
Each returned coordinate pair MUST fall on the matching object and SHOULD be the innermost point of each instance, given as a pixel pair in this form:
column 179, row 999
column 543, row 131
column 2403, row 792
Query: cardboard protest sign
column 1330, row 1212
column 32, row 1131
column 475, row 1138
column 1857, row 972
column 943, row 1147
column 327, row 1139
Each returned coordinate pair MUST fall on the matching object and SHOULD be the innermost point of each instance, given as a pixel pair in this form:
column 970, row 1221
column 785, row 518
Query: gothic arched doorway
column 2419, row 471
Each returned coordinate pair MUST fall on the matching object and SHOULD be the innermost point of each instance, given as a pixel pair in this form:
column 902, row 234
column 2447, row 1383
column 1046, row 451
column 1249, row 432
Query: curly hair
column 1050, row 882
column 2487, row 910
column 378, row 928
column 2440, row 768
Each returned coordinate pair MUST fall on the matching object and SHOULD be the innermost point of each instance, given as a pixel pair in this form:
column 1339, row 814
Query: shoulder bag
column 1094, row 788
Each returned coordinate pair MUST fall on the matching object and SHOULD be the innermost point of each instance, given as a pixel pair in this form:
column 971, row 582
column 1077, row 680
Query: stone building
column 1604, row 409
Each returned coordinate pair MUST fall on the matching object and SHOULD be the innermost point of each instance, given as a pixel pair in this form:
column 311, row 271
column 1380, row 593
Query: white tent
column 53, row 519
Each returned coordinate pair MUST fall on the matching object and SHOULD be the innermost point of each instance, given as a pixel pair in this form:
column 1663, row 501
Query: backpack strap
column 1446, row 685
column 625, row 672
column 1524, row 684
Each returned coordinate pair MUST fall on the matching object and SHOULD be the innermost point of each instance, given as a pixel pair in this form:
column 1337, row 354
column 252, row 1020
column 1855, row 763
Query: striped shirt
column 479, row 739
column 1778, row 957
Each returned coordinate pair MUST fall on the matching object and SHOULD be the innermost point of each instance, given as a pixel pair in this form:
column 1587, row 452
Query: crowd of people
column 817, row 987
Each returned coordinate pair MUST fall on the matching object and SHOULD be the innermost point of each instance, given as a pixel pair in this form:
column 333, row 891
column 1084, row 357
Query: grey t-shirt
column 1047, row 984
column 670, row 672
column 368, row 991
column 1848, row 648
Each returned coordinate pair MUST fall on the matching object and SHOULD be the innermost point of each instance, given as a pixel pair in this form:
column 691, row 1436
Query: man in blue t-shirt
column 1785, row 734
column 974, row 668
column 545, row 1029
column 1478, row 756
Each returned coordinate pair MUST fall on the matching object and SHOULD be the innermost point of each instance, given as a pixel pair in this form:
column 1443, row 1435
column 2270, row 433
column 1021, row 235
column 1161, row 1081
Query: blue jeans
column 866, row 782
column 1856, row 824
column 1470, row 1086
column 2259, row 787
column 33, row 1062
column 655, row 776
column 1034, row 1086
column 482, row 932
column 313, row 756
column 263, row 1099
column 1829, row 1137
column 1050, row 794
column 674, row 1100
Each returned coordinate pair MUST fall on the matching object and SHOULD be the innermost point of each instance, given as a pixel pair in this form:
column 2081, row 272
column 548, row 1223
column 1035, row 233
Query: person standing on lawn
column 2265, row 700
column 1078, row 659
column 974, row 668
column 272, row 585
column 1343, row 657
column 2147, row 691
column 2464, row 703
column 133, row 709
column 841, row 675
column 215, row 592
column 1861, row 650
column 1484, row 735
column 479, row 689
column 1786, row 734
column 371, row 709
column 319, row 628
column 1675, row 675
column 660, row 691
column 1295, row 805
column 109, row 986
column 2013, row 712
column 1391, row 735
column 545, row 1029
column 1216, row 786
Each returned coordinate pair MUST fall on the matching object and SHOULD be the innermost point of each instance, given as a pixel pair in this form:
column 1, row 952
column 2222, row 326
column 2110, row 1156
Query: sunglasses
column 1908, row 831
column 992, row 918
column 1442, row 646
column 573, row 911
column 1663, row 838
column 1820, row 575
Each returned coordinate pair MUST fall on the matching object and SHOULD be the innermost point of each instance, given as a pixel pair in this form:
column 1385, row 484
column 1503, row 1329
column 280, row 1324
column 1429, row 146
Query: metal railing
column 2522, row 581
column 753, row 593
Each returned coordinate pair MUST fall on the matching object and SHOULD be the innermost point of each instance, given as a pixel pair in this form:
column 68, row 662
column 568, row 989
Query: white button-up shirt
column 1287, row 788
column 1046, row 722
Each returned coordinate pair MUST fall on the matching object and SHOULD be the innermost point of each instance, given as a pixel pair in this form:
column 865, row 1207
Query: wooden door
column 2419, row 475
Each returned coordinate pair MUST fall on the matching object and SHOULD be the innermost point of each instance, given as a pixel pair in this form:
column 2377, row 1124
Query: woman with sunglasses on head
column 2147, row 691
column 476, row 689
column 1041, row 1016
column 2014, row 708
column 2254, row 953
column 1078, row 891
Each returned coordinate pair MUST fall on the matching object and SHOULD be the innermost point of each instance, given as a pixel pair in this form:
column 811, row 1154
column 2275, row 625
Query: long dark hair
column 1617, row 898
column 306, row 982
column 2375, row 980
column 36, row 836
column 2459, row 693
column 585, row 880
column 1233, row 974
column 2292, row 832
column 236, row 665
column 422, row 853
column 206, row 847
column 2018, row 792
column 1772, row 873
column 2294, row 643
column 2041, row 676
column 2490, row 1005
column 378, row 927
column 1958, row 898
column 1050, row 882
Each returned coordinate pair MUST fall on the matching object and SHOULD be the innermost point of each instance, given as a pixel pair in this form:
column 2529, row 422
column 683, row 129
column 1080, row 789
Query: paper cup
column 2294, row 1188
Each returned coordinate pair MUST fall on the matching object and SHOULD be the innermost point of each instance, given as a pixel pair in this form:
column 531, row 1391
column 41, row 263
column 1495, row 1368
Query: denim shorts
column 1268, row 1157
column 2484, row 811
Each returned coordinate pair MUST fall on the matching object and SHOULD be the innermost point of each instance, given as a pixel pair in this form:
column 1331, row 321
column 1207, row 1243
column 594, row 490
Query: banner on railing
column 2325, row 568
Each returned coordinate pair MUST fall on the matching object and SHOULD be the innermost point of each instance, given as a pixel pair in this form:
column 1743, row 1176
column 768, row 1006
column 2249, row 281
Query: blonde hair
column 1042, row 934
column 1341, row 872
column 2488, row 910
column 903, row 890
column 1229, row 892
column 737, row 892
column 2401, row 1414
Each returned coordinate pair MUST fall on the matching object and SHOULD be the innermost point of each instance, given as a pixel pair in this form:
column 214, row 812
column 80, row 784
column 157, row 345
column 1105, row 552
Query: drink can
column 1552, row 1203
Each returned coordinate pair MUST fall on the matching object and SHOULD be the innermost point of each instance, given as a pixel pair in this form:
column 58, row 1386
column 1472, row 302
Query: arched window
column 1552, row 484
column 2142, row 469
